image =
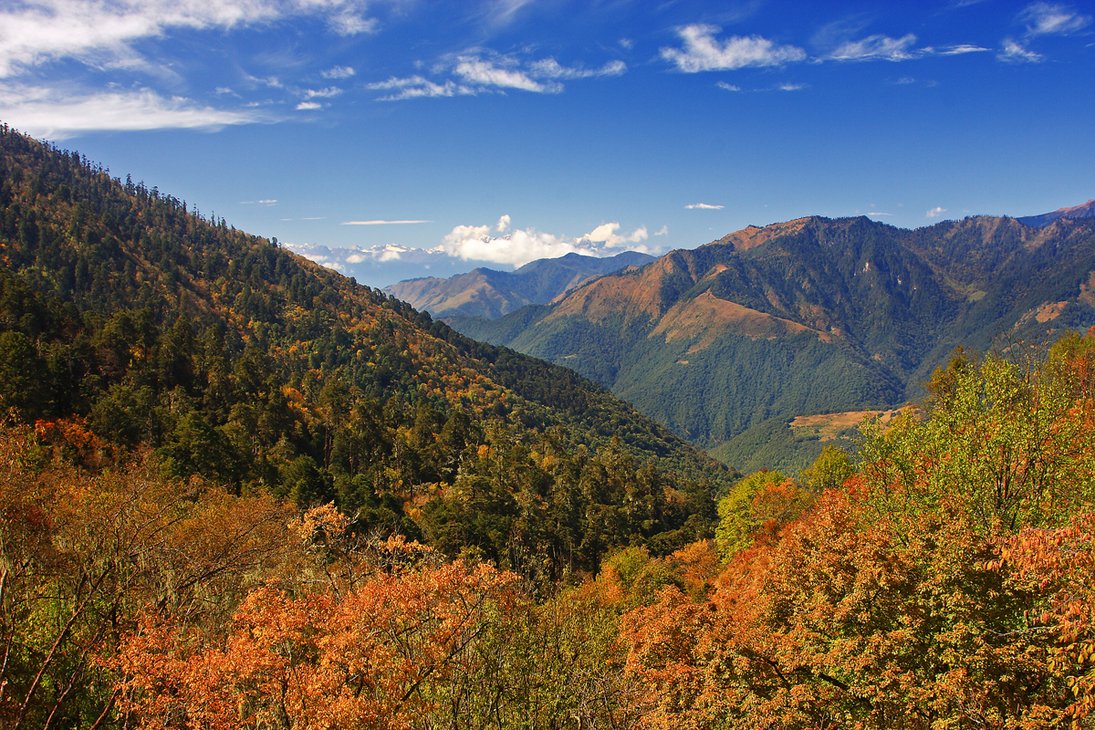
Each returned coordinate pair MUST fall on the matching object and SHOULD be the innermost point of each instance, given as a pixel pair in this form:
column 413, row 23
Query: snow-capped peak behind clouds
column 379, row 266
column 465, row 247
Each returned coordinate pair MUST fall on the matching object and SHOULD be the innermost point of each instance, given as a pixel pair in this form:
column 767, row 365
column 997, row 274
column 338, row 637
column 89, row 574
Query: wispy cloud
column 104, row 33
column 935, row 212
column 1052, row 19
column 480, row 72
column 704, row 206
column 1014, row 52
column 47, row 112
column 727, row 86
column 418, row 87
column 503, row 12
column 385, row 222
column 549, row 68
column 308, row 106
column 338, row 72
column 325, row 93
column 1040, row 19
column 267, row 202
column 961, row 49
column 876, row 47
column 702, row 51
column 791, row 87
column 487, row 73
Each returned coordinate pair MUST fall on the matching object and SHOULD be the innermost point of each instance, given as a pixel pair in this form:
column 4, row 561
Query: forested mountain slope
column 128, row 321
column 490, row 293
column 809, row 316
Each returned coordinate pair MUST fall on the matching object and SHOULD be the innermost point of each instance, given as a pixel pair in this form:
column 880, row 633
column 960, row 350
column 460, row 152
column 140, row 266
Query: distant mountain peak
column 489, row 293
column 752, row 236
column 1083, row 210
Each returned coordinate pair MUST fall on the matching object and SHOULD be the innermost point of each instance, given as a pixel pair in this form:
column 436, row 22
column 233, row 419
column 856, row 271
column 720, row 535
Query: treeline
column 128, row 317
column 943, row 577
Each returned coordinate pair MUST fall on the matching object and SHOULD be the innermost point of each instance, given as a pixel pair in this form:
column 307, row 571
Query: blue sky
column 388, row 137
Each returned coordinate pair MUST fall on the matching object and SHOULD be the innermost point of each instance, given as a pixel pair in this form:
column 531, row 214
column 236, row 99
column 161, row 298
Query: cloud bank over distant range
column 499, row 245
column 502, row 244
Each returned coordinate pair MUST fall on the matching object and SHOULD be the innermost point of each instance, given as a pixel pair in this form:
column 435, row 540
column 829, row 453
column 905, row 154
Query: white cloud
column 935, row 212
column 961, row 49
column 264, row 202
column 876, row 47
column 606, row 234
column 481, row 72
column 728, row 86
column 325, row 93
column 104, row 32
column 663, row 231
column 503, row 223
column 549, row 68
column 791, row 87
column 704, row 206
column 1052, row 19
column 384, row 222
column 308, row 106
column 390, row 252
column 43, row 112
column 1014, row 52
column 272, row 82
column 418, row 87
column 348, row 22
column 516, row 248
column 338, row 72
column 703, row 52
column 519, row 246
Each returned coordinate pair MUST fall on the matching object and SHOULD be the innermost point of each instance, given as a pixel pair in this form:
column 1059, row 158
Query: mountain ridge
column 813, row 315
column 1083, row 210
column 490, row 293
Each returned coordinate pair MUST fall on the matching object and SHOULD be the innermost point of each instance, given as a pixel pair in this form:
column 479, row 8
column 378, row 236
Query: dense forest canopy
column 944, row 577
column 125, row 315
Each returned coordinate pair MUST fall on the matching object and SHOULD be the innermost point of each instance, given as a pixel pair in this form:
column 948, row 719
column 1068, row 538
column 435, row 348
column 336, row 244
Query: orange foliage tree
column 82, row 552
column 399, row 646
column 947, row 583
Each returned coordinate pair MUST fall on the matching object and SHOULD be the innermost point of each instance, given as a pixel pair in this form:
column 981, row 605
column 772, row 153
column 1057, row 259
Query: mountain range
column 128, row 323
column 729, row 342
column 490, row 293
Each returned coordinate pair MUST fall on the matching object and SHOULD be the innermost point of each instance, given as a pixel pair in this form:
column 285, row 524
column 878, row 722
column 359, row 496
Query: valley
column 809, row 317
